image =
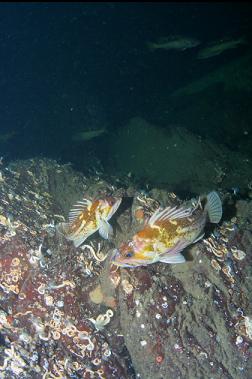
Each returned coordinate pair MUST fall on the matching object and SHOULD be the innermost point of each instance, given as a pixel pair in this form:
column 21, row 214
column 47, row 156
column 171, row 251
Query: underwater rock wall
column 176, row 159
column 66, row 313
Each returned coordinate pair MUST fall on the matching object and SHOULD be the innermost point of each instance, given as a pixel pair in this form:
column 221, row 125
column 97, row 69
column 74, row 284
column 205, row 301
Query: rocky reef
column 66, row 312
column 176, row 159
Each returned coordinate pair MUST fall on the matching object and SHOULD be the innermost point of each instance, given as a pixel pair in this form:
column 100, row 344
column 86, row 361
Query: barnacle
column 64, row 284
column 219, row 251
column 35, row 255
column 215, row 265
column 4, row 323
column 238, row 254
column 3, row 220
column 14, row 360
column 127, row 286
column 227, row 271
column 1, row 177
column 96, row 361
column 49, row 300
column 102, row 319
column 244, row 327
column 70, row 330
column 55, row 334
column 11, row 226
column 148, row 206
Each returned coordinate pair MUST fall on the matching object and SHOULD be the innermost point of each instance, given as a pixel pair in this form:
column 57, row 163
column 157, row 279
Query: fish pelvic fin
column 173, row 259
column 105, row 229
column 114, row 208
column 173, row 254
column 214, row 207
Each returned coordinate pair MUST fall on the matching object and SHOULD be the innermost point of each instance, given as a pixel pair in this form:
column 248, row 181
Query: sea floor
column 66, row 312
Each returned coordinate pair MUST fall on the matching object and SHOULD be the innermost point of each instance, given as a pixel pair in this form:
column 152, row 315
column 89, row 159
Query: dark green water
column 69, row 67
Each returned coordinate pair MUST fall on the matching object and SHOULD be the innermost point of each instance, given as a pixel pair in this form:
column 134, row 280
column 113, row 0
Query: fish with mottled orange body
column 168, row 232
column 89, row 216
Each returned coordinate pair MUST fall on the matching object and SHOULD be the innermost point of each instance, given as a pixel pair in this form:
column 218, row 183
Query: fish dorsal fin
column 169, row 213
column 79, row 207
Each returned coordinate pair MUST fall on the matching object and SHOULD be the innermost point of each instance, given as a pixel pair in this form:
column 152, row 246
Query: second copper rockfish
column 168, row 232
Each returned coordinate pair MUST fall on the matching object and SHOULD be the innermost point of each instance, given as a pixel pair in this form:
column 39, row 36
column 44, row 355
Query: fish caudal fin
column 214, row 207
column 79, row 239
column 64, row 229
column 150, row 46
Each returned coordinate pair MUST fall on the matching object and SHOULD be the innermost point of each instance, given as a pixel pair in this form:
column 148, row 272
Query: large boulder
column 175, row 158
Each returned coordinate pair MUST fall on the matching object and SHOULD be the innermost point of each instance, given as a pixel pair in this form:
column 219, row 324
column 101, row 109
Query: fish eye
column 129, row 254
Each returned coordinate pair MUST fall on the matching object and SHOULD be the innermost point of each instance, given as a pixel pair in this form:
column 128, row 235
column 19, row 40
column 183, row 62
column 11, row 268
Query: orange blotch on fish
column 159, row 359
column 148, row 233
column 139, row 214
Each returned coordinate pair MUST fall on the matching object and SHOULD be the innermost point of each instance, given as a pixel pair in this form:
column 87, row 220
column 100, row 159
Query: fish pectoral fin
column 105, row 229
column 114, row 208
column 173, row 255
column 173, row 258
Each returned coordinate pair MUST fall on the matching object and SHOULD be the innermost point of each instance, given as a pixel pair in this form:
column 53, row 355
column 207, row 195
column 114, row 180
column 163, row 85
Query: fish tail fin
column 214, row 207
column 64, row 229
column 150, row 46
column 243, row 40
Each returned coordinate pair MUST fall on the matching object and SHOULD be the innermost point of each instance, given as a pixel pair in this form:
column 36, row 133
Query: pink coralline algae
column 45, row 311
column 67, row 312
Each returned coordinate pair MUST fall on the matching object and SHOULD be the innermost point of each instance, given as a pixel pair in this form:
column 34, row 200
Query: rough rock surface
column 192, row 320
column 176, row 159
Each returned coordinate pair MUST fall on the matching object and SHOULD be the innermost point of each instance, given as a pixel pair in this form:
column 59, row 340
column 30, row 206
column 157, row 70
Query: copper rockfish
column 87, row 217
column 168, row 232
